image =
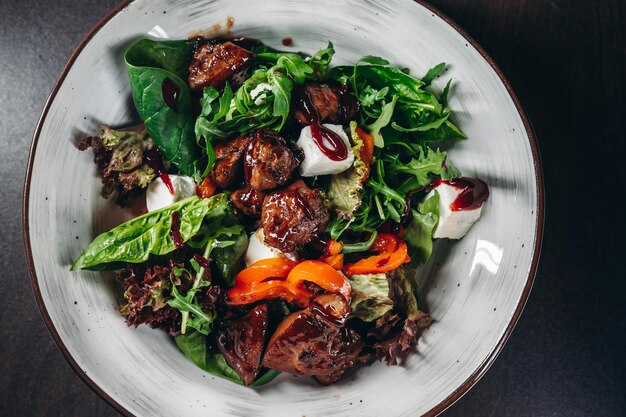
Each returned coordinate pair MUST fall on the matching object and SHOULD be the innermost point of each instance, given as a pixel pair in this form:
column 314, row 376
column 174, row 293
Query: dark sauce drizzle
column 175, row 231
column 155, row 161
column 474, row 193
column 202, row 261
column 303, row 204
column 325, row 314
column 328, row 141
column 171, row 93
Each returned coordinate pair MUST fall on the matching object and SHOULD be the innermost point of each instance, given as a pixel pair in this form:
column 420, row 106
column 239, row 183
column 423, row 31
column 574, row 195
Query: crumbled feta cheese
column 258, row 249
column 259, row 93
column 452, row 224
column 158, row 195
column 315, row 162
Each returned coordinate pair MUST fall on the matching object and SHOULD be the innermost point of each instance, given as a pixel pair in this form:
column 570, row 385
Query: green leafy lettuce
column 370, row 296
column 150, row 234
column 344, row 189
column 419, row 231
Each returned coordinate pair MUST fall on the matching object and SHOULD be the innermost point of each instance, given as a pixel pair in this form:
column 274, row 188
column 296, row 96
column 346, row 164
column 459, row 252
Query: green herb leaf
column 320, row 60
column 432, row 73
column 197, row 318
column 382, row 121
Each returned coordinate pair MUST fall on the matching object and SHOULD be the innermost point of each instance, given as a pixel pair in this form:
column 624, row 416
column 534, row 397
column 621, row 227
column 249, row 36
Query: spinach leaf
column 228, row 259
column 419, row 232
column 150, row 64
column 136, row 239
column 194, row 346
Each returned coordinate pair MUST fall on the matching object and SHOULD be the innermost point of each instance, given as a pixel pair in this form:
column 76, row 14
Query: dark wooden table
column 566, row 59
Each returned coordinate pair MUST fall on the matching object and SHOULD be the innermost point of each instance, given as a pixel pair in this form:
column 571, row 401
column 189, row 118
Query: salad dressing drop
column 155, row 161
column 328, row 141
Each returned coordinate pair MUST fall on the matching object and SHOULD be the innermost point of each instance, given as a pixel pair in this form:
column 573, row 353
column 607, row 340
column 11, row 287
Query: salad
column 286, row 204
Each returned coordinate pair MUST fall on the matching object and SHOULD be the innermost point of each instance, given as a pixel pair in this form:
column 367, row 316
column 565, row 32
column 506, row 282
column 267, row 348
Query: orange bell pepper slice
column 283, row 278
column 265, row 269
column 336, row 261
column 269, row 290
column 320, row 274
column 333, row 247
column 392, row 252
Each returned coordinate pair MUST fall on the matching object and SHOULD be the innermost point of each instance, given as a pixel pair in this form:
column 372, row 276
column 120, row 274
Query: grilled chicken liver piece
column 293, row 216
column 268, row 161
column 214, row 64
column 248, row 201
column 314, row 341
column 227, row 169
column 241, row 342
column 333, row 104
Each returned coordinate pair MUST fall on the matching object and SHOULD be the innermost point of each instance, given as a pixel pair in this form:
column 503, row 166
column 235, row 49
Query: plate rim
column 453, row 397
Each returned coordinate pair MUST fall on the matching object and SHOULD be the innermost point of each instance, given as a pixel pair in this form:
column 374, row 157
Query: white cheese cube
column 452, row 224
column 315, row 162
column 258, row 249
column 259, row 93
column 159, row 196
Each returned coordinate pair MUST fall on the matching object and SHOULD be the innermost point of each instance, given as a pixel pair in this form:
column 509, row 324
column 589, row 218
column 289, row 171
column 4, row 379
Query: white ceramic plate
column 475, row 289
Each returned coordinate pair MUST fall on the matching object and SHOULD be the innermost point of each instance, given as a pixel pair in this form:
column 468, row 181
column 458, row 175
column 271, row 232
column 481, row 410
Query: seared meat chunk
column 332, row 103
column 214, row 64
column 268, row 161
column 293, row 216
column 248, row 201
column 315, row 341
column 227, row 169
column 241, row 342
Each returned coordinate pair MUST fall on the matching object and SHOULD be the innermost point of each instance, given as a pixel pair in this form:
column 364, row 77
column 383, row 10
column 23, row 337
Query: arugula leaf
column 382, row 121
column 149, row 64
column 320, row 60
column 194, row 346
column 419, row 232
column 196, row 317
column 427, row 164
column 432, row 73
column 281, row 89
column 142, row 236
column 370, row 296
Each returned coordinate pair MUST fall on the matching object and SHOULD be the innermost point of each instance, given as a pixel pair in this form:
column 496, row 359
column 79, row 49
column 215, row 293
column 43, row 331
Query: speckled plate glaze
column 475, row 289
